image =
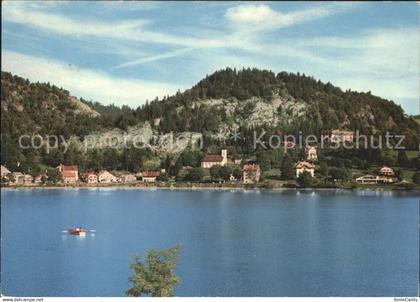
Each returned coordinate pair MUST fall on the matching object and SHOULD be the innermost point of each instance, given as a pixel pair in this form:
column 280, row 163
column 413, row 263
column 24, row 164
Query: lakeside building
column 91, row 177
column 149, row 176
column 373, row 179
column 106, row 177
column 305, row 166
column 22, row 179
column 386, row 171
column 209, row 161
column 128, row 178
column 311, row 153
column 251, row 173
column 4, row 171
column 70, row 174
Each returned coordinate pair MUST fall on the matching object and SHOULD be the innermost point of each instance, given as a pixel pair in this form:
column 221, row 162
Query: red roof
column 251, row 167
column 305, row 164
column 68, row 168
column 212, row 158
column 68, row 173
column 39, row 177
column 150, row 174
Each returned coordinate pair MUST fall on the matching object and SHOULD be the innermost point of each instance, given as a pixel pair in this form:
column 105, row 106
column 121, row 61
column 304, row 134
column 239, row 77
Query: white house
column 4, row 171
column 386, row 171
column 106, row 177
column 373, row 179
column 209, row 161
column 128, row 178
column 91, row 177
column 305, row 166
column 70, row 174
column 311, row 153
column 149, row 176
column 251, row 174
column 22, row 179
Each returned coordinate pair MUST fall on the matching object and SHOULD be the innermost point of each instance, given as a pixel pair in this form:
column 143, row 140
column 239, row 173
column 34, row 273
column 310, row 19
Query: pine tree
column 287, row 170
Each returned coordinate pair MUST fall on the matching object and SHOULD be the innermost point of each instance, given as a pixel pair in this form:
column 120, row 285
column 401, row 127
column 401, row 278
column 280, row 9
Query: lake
column 234, row 243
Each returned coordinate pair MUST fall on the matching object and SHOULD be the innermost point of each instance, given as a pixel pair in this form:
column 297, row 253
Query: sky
column 127, row 52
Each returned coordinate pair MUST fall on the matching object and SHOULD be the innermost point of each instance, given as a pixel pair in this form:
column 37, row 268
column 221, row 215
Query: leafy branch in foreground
column 156, row 275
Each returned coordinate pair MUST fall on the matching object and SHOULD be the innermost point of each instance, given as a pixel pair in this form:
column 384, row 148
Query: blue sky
column 127, row 52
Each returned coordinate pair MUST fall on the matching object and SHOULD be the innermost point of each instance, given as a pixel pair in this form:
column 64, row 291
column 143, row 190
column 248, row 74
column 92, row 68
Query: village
column 248, row 173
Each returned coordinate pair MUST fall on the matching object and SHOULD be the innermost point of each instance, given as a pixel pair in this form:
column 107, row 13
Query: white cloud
column 131, row 30
column 89, row 84
column 149, row 59
column 263, row 17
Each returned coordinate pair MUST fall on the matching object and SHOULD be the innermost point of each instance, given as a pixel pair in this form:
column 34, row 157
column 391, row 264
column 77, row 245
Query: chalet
column 251, row 173
column 149, row 176
column 373, row 179
column 305, row 166
column 311, row 153
column 91, row 177
column 128, row 178
column 386, row 171
column 340, row 136
column 22, row 179
column 209, row 161
column 4, row 171
column 106, row 177
column 70, row 174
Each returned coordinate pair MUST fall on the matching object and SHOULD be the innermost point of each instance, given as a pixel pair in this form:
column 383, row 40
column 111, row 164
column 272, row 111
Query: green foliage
column 416, row 178
column 191, row 158
column 322, row 169
column 182, row 174
column 341, row 174
column 215, row 172
column 163, row 177
column 54, row 176
column 305, row 179
column 237, row 172
column 156, row 276
column 195, row 174
column 287, row 170
column 225, row 172
column 402, row 158
column 387, row 158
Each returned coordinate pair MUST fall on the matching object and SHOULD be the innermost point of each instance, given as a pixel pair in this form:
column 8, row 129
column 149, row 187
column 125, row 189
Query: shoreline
column 212, row 188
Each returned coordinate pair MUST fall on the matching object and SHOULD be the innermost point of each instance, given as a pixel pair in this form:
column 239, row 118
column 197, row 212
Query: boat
column 77, row 231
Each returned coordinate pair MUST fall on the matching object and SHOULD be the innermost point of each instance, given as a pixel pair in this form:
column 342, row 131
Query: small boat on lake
column 77, row 231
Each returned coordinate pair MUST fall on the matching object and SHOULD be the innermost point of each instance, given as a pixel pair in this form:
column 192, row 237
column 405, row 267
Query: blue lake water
column 234, row 243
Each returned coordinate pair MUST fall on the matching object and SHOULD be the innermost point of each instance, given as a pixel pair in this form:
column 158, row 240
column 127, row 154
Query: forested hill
column 248, row 98
column 43, row 108
column 39, row 108
column 284, row 101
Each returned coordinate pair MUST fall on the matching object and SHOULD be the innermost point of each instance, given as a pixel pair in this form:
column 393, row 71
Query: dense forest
column 296, row 103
